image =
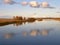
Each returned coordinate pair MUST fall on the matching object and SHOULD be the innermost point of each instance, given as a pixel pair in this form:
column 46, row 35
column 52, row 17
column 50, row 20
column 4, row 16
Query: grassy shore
column 5, row 20
column 9, row 20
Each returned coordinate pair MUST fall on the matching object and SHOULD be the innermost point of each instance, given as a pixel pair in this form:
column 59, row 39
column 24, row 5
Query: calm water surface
column 36, row 33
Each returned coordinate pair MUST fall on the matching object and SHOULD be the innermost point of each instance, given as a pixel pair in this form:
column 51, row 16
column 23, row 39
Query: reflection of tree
column 18, row 23
column 6, row 23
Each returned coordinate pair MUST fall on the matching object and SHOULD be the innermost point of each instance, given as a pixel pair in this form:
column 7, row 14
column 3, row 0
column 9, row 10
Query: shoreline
column 6, row 20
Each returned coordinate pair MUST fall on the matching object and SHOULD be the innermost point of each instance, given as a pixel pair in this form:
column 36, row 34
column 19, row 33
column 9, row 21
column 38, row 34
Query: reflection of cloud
column 33, row 33
column 24, row 3
column 34, row 4
column 44, row 32
column 24, row 33
column 8, row 35
column 37, row 32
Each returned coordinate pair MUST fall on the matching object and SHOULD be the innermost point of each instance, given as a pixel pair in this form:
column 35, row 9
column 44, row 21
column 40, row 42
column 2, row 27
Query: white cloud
column 44, row 4
column 9, row 2
column 34, row 4
column 24, row 3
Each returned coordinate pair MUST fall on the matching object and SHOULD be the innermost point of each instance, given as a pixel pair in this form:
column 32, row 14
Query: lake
column 45, row 32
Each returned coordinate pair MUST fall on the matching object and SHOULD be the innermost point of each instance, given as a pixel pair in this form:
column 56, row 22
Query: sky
column 29, row 8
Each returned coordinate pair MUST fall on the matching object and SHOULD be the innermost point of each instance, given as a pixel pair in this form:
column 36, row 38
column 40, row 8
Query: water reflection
column 36, row 32
column 8, row 35
column 24, row 33
column 44, row 32
column 32, row 33
column 18, row 23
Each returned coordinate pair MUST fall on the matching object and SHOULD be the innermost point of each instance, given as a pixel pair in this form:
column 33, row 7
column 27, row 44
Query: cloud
column 9, row 2
column 51, row 7
column 45, row 4
column 24, row 3
column 34, row 4
column 58, row 12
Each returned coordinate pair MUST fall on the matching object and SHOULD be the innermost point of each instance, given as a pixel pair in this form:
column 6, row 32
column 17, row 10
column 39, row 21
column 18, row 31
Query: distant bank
column 23, row 19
